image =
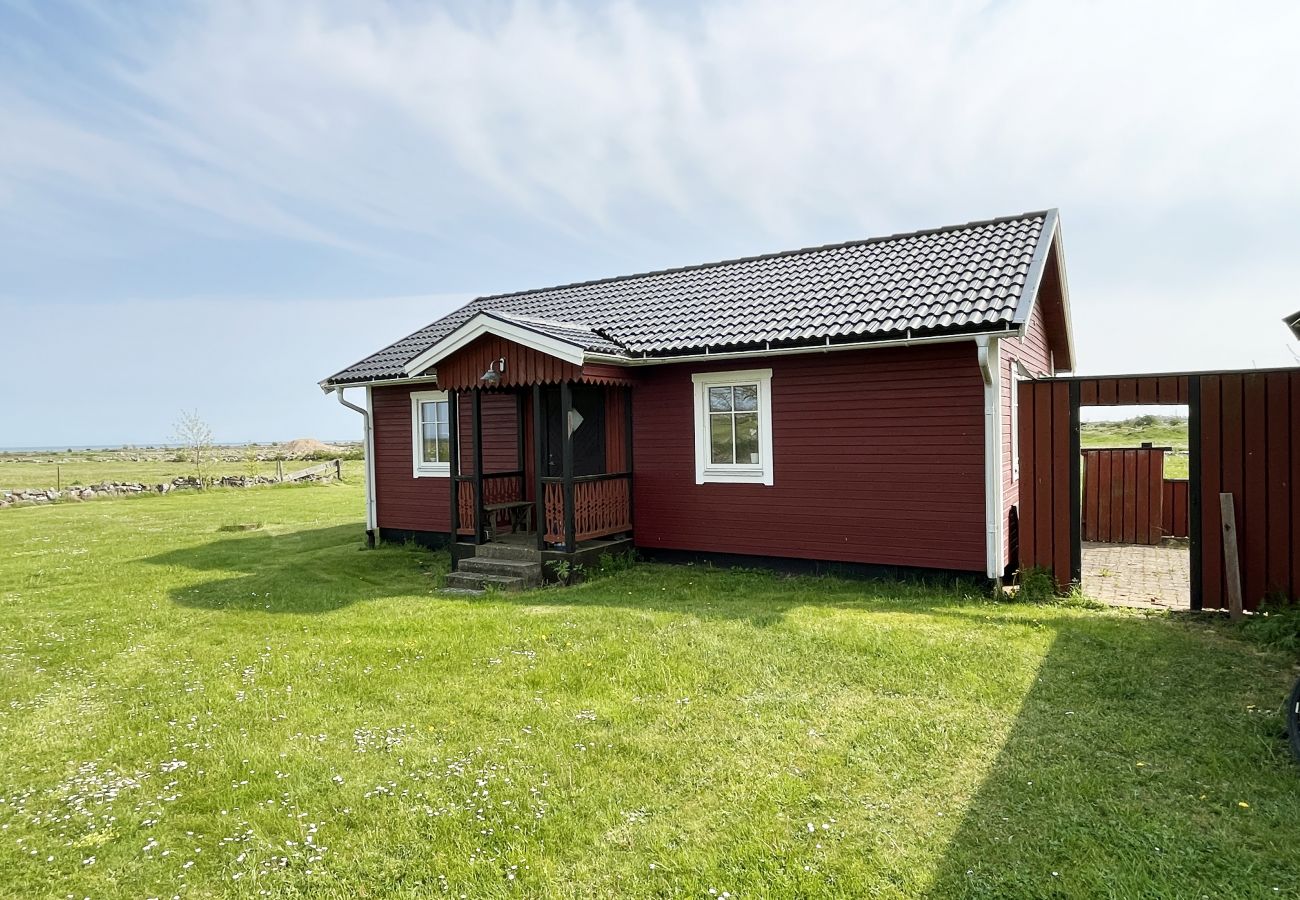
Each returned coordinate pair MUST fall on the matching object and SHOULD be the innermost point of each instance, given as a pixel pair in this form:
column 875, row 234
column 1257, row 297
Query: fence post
column 338, row 469
column 279, row 470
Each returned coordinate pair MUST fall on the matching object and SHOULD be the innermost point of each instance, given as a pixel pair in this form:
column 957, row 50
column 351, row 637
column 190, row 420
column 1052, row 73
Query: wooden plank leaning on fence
column 1231, row 562
column 335, row 464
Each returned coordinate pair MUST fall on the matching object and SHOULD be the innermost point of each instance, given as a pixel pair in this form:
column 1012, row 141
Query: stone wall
column 132, row 488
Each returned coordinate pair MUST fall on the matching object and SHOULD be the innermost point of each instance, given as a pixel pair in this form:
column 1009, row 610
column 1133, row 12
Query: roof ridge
column 778, row 254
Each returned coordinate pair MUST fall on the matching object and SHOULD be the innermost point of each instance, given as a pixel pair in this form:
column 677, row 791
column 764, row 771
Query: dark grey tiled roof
column 960, row 279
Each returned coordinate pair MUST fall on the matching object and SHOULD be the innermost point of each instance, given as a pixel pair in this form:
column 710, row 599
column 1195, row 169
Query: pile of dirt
column 308, row 448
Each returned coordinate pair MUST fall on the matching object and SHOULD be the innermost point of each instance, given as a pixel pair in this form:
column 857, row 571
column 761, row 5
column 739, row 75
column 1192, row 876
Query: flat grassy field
column 86, row 467
column 1163, row 432
column 187, row 711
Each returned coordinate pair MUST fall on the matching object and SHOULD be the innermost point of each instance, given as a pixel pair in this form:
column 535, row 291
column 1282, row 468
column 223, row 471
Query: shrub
column 614, row 563
column 565, row 572
column 1036, row 586
column 1276, row 624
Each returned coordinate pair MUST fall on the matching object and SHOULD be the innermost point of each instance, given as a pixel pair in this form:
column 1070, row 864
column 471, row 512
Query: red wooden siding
column 524, row 366
column 408, row 503
column 1174, row 508
column 401, row 500
column 616, row 448
column 1123, row 495
column 500, row 432
column 878, row 458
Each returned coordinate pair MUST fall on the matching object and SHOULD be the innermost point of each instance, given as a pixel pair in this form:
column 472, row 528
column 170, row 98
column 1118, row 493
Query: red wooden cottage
column 847, row 404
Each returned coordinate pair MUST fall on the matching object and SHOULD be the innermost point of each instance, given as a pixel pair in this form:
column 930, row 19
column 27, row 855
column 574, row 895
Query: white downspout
column 368, row 451
column 991, row 371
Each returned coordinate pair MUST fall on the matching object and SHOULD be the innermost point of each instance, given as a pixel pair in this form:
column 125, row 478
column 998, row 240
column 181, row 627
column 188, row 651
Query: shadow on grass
column 758, row 597
column 316, row 571
column 306, row 571
column 1124, row 773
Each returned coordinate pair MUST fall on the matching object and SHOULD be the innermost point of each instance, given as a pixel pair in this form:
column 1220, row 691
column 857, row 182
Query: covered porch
column 571, row 480
column 539, row 449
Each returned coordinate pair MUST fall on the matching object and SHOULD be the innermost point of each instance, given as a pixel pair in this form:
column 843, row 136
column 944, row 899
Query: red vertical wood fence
column 1049, row 454
column 1174, row 501
column 1250, row 446
column 1123, row 495
column 1245, row 440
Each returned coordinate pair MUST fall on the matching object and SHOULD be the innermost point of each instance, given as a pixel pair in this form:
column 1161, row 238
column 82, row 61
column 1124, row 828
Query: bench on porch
column 519, row 511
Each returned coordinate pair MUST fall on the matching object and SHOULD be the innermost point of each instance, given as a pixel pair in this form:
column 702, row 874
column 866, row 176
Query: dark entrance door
column 588, row 416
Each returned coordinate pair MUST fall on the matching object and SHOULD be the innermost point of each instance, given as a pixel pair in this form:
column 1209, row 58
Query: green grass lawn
column 186, row 711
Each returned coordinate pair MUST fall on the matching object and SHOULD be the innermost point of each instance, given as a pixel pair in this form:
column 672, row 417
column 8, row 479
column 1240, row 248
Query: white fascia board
column 803, row 349
column 485, row 323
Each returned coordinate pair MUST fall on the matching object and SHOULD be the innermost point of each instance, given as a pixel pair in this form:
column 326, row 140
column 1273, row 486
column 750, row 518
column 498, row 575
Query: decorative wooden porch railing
column 602, row 505
column 498, row 487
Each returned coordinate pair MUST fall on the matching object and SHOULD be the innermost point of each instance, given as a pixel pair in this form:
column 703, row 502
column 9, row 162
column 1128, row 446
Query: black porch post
column 477, row 406
column 627, row 425
column 566, row 407
column 453, row 462
column 1195, row 498
column 539, row 468
column 1076, row 489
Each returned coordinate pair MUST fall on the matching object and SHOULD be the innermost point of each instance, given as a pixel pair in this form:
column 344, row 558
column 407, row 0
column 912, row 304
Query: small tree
column 252, row 461
column 195, row 437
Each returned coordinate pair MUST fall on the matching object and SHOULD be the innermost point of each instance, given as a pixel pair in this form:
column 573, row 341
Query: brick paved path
column 1138, row 576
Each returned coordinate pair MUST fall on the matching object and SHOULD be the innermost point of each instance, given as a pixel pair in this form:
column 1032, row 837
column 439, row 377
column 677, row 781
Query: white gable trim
column 485, row 323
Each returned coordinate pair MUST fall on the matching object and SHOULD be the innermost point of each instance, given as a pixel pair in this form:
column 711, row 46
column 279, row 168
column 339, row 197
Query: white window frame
column 707, row 471
column 420, row 468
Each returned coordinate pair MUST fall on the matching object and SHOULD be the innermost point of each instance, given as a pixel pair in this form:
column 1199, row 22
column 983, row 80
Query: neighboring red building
column 842, row 404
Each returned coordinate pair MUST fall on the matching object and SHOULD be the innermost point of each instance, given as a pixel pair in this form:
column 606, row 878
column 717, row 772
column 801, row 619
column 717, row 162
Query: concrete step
column 507, row 551
column 528, row 570
column 479, row 582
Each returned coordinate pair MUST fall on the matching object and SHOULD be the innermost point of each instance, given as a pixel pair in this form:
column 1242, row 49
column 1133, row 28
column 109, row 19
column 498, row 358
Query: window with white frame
column 430, row 433
column 733, row 426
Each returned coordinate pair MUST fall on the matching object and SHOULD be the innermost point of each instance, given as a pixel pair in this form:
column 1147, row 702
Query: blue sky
column 213, row 206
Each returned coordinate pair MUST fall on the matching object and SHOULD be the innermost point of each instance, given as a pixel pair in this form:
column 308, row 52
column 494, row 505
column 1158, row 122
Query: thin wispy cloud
column 265, row 115
column 266, row 150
